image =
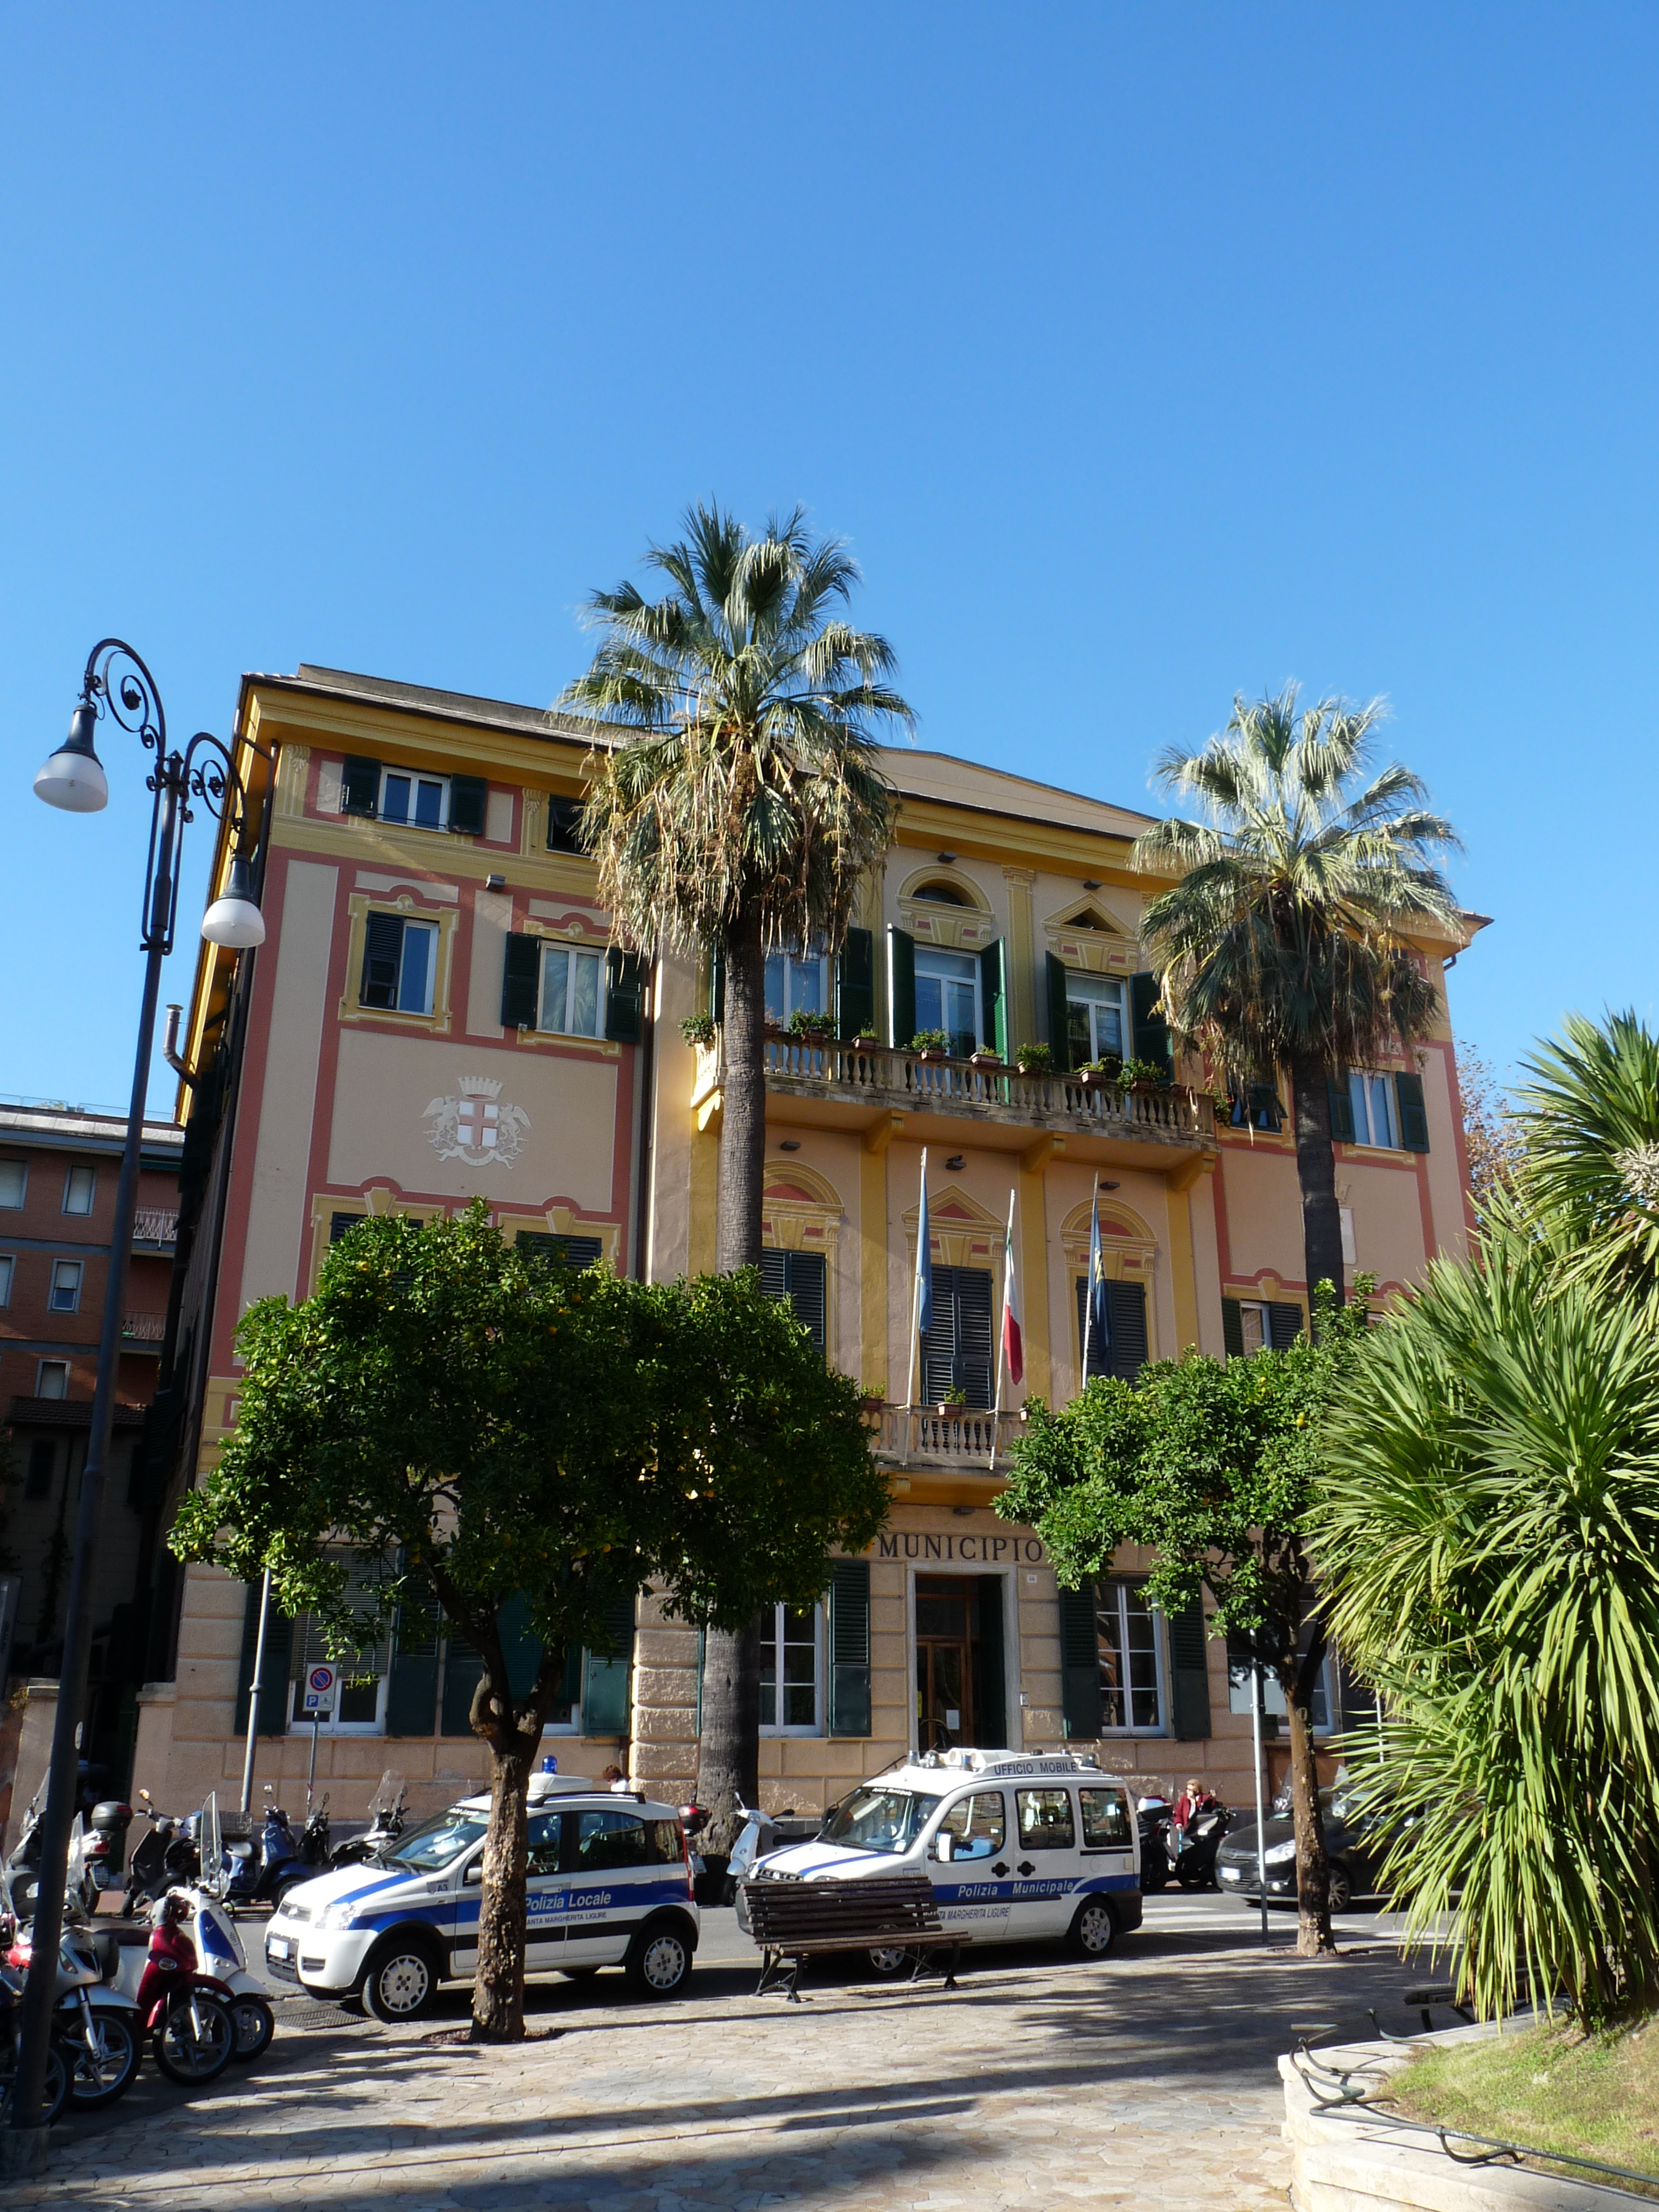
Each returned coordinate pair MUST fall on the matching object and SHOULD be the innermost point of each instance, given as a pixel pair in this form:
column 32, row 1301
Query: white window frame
column 72, row 1273
column 1264, row 1326
column 1121, row 1589
column 332, row 1726
column 45, row 1367
column 926, row 954
column 70, row 1185
column 7, row 1270
column 573, row 952
column 1365, row 1083
column 414, row 777
column 1099, row 991
column 797, row 1728
column 13, row 1205
column 789, row 961
column 430, row 931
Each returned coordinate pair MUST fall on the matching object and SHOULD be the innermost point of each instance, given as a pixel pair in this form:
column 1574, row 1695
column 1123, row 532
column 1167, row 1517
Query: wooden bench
column 793, row 1920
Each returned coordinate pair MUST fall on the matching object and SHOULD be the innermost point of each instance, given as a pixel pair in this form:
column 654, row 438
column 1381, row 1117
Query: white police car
column 609, row 1884
column 1017, row 1847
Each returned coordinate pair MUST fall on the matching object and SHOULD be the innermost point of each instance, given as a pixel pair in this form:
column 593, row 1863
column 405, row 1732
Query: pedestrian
column 1193, row 1800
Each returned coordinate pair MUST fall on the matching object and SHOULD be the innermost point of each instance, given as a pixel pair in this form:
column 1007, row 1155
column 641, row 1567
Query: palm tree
column 741, row 814
column 1286, row 941
column 1589, row 1170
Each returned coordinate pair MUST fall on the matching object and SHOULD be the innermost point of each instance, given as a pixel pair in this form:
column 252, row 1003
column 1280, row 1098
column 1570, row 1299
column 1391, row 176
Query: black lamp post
column 118, row 684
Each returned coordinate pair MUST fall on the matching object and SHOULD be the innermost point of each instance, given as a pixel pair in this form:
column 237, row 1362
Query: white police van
column 1018, row 1848
column 609, row 1884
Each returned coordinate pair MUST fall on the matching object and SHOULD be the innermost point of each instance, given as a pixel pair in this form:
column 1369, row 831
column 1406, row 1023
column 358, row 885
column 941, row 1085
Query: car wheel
column 658, row 1961
column 889, row 1961
column 1341, row 1889
column 1093, row 1931
column 401, row 1982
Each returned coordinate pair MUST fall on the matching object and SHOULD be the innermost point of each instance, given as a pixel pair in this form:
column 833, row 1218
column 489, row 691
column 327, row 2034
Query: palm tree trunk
column 728, row 1765
column 1316, row 1170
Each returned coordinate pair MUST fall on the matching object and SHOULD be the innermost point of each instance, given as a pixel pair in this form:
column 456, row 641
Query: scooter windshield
column 436, row 1842
column 875, row 1820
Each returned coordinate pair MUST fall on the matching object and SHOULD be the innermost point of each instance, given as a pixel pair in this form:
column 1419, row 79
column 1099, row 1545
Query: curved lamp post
column 117, row 685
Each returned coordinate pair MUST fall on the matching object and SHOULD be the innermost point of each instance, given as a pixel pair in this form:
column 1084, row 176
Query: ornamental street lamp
column 118, row 684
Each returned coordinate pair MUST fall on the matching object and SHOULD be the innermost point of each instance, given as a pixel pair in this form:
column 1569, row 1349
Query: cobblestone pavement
column 1145, row 2079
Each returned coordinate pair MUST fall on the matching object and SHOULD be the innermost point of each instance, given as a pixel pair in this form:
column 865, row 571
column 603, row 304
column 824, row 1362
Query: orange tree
column 441, row 1420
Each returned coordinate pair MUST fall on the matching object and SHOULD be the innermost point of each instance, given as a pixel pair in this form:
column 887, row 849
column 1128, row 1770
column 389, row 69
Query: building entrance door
column 945, row 1661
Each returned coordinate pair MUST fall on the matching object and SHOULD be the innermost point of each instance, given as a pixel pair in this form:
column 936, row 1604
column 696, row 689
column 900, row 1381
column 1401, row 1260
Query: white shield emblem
column 478, row 1127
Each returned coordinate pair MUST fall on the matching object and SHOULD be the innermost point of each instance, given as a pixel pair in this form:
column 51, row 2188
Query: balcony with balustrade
column 927, row 1097
column 154, row 1229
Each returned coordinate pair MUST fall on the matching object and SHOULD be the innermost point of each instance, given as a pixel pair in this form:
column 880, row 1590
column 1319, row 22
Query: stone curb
column 1343, row 2164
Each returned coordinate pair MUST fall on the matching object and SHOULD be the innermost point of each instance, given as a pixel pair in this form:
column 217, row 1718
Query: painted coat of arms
column 478, row 1127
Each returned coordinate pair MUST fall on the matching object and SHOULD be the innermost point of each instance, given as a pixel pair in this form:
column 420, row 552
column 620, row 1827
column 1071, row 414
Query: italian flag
column 1013, row 1341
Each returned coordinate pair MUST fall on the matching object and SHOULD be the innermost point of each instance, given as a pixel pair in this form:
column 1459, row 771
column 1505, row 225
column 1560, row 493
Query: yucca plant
column 1285, row 942
column 1492, row 1539
column 1589, row 1118
column 742, row 812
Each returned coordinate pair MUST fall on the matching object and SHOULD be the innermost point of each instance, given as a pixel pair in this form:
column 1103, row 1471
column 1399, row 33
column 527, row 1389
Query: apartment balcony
column 154, row 1229
column 143, row 1332
column 933, row 1099
column 952, row 1438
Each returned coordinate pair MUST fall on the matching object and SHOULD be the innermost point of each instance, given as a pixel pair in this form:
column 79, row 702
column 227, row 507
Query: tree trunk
column 1316, row 1170
column 728, row 1766
column 498, row 1992
column 1312, row 1874
column 742, row 1118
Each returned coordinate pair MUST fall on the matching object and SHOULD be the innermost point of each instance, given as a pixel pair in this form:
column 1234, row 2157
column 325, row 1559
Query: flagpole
column 1088, row 1290
column 1002, row 1331
column 915, row 1303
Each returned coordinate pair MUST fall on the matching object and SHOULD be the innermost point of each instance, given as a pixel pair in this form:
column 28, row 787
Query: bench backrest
column 797, row 1911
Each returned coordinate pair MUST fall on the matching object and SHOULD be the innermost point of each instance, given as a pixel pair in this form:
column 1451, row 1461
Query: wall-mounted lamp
column 1090, row 883
column 790, row 1145
column 1110, row 1186
column 945, row 860
column 494, row 883
column 955, row 1164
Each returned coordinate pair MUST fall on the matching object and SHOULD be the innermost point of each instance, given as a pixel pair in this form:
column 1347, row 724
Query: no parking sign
column 322, row 1687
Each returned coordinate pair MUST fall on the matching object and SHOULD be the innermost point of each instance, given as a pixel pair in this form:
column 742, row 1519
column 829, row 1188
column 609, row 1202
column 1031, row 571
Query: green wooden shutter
column 849, row 1647
column 1341, row 1109
column 1079, row 1664
column 1124, row 1353
column 855, row 986
column 1232, row 1328
column 993, row 997
column 1413, row 1113
column 1189, row 1674
column 383, row 954
column 273, row 1689
column 1152, row 1031
column 625, row 996
column 564, row 817
column 990, row 1683
column 411, row 1698
column 1059, row 1042
column 542, row 1249
column 521, row 976
column 467, row 795
column 901, row 987
column 1284, row 1323
column 797, row 1279
column 606, row 1709
column 360, row 786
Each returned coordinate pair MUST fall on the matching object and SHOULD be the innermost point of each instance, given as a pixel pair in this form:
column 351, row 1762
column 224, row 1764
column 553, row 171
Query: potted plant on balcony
column 953, row 1401
column 1097, row 1073
column 871, row 1400
column 698, row 1028
column 812, row 1028
column 931, row 1044
column 1143, row 1075
column 867, row 1040
column 983, row 1057
column 1035, row 1059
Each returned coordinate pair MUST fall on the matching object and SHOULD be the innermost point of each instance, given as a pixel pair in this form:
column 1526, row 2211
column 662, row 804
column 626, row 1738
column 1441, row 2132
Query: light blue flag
column 923, row 1261
column 1100, row 1333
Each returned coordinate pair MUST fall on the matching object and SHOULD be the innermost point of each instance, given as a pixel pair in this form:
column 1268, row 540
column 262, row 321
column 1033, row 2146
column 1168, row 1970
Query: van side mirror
column 943, row 1845
column 475, row 1872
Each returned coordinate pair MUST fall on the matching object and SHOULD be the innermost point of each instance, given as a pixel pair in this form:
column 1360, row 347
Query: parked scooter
column 192, row 1921
column 167, row 1856
column 1192, row 1849
column 193, row 2035
column 386, row 1807
column 261, row 1873
column 694, row 1819
column 56, row 2094
column 105, row 1844
column 96, row 2030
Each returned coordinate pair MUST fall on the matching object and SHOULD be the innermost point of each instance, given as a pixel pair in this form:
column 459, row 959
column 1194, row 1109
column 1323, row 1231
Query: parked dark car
column 1356, row 1854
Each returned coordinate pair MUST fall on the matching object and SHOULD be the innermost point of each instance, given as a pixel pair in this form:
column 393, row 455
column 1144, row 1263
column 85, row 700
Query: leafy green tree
column 1285, row 942
column 1490, row 1526
column 442, row 1420
column 1215, row 1465
column 740, row 814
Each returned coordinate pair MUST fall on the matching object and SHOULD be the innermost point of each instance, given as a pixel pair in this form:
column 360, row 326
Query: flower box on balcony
column 866, row 1044
column 933, row 1052
column 985, row 1059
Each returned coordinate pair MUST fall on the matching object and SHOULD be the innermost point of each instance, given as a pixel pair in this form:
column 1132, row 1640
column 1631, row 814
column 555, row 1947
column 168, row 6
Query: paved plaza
column 1146, row 2080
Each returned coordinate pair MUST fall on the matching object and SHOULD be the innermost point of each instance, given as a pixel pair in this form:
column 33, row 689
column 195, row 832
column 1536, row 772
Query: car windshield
column 436, row 1841
column 876, row 1820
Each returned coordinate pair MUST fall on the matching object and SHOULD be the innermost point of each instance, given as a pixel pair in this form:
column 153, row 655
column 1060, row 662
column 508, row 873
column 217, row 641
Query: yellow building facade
column 437, row 1015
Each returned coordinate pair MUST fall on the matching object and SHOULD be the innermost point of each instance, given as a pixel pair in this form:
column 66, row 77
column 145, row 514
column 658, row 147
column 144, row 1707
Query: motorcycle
column 191, row 2032
column 694, row 1819
column 261, row 1874
column 167, row 1856
column 96, row 2030
column 1152, row 1818
column 197, row 1920
column 55, row 2094
column 1192, row 1849
column 105, row 1843
column 386, row 1807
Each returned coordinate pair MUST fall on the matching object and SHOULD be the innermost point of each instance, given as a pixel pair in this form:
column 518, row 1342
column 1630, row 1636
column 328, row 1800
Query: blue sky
column 1143, row 355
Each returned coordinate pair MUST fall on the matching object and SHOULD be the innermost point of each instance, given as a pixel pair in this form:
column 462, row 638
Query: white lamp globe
column 74, row 779
column 234, row 919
